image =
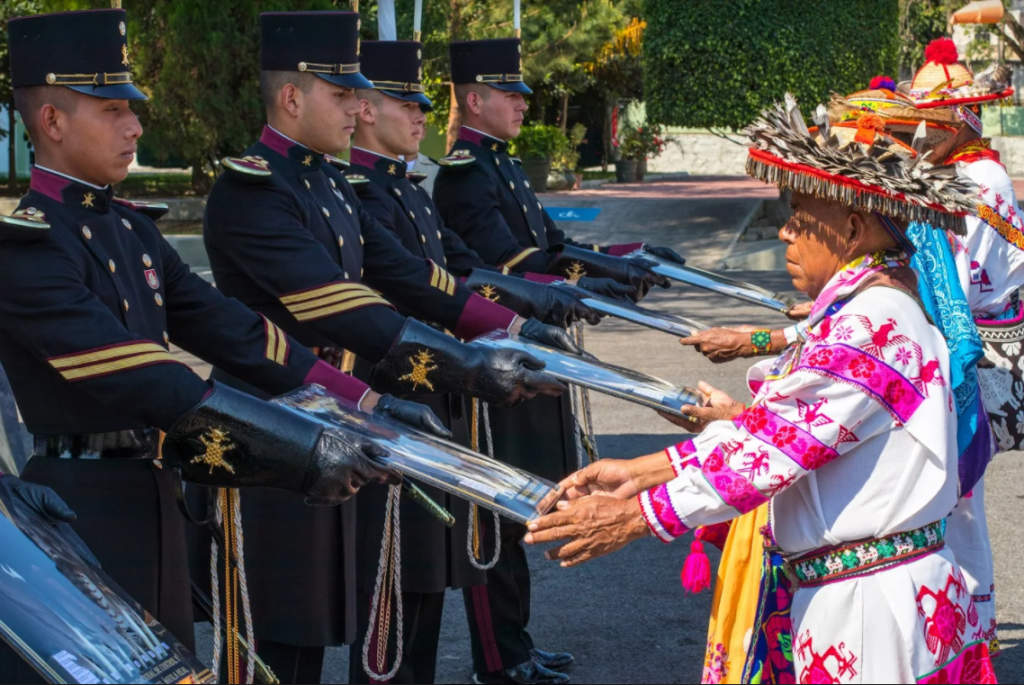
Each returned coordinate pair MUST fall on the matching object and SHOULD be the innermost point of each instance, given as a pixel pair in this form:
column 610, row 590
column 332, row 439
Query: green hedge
column 717, row 63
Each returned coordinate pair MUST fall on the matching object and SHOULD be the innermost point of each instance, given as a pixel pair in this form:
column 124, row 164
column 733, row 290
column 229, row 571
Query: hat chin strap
column 899, row 236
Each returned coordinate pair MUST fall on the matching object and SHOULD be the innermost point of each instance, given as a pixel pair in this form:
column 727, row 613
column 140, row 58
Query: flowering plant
column 642, row 142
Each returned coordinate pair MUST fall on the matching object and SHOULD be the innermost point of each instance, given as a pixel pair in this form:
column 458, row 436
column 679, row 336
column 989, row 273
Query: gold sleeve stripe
column 518, row 259
column 350, row 305
column 105, row 369
column 321, row 291
column 442, row 280
column 103, row 354
column 277, row 343
column 333, row 299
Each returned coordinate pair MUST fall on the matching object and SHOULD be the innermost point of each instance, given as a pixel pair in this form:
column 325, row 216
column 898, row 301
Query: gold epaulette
column 356, row 179
column 337, row 162
column 516, row 160
column 416, row 177
column 153, row 210
column 457, row 158
column 249, row 168
column 24, row 226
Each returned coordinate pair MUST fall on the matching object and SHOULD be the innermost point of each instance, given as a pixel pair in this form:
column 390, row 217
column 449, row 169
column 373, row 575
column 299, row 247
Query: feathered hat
column 901, row 115
column 865, row 168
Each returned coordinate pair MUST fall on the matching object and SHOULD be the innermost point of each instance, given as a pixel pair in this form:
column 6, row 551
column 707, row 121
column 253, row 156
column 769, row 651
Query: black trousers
column 289, row 663
column 421, row 631
column 499, row 612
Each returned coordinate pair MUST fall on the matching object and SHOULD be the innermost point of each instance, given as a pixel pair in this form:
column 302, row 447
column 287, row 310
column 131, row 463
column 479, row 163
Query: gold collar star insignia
column 124, row 55
column 308, row 161
column 216, row 443
column 87, row 199
column 494, row 147
column 422, row 365
column 393, row 169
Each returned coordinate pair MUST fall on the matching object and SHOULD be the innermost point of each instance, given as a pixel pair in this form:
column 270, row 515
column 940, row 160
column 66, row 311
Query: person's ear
column 52, row 123
column 289, row 99
column 473, row 100
column 367, row 112
column 855, row 228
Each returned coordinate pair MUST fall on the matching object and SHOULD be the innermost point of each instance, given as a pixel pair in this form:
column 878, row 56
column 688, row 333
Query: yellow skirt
column 736, row 595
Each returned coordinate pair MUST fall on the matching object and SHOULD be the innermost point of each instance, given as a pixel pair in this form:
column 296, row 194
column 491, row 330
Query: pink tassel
column 696, row 575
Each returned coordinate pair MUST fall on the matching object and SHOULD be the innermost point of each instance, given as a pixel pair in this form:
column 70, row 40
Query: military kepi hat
column 497, row 62
column 86, row 51
column 321, row 43
column 396, row 69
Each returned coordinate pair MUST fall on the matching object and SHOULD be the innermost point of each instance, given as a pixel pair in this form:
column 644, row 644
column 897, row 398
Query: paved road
column 625, row 617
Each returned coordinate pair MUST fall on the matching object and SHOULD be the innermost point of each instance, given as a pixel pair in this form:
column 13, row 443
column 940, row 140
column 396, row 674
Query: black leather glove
column 549, row 336
column 666, row 253
column 607, row 287
column 342, row 464
column 427, row 361
column 41, row 499
column 531, row 300
column 574, row 262
column 413, row 413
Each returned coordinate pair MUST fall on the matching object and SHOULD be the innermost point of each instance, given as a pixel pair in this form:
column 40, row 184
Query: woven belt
column 831, row 564
column 143, row 443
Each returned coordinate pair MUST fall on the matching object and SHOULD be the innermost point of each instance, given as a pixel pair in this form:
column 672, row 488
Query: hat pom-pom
column 696, row 575
column 883, row 83
column 942, row 51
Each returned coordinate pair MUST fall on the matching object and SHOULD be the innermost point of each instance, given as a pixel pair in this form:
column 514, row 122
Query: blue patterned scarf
column 945, row 302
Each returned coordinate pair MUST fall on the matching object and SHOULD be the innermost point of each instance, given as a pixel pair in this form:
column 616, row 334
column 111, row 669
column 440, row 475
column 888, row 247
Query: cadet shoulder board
column 247, row 169
column 24, row 226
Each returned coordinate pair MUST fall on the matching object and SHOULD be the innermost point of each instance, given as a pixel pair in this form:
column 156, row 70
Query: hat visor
column 514, row 87
column 419, row 98
column 954, row 102
column 348, row 80
column 121, row 91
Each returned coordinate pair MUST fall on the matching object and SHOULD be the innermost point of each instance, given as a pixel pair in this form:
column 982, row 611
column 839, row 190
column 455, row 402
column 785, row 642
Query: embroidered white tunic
column 850, row 438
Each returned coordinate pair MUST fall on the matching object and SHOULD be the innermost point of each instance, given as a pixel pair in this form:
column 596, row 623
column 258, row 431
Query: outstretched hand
column 717, row 407
column 722, row 344
column 594, row 526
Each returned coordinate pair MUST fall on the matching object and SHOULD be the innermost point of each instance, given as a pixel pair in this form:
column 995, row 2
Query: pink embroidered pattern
column 715, row 664
column 793, row 441
column 735, row 490
column 847, row 364
column 946, row 621
column 835, row 665
column 677, row 456
column 972, row 666
column 661, row 505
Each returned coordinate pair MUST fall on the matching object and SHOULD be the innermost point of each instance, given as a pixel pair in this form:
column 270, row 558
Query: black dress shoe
column 529, row 673
column 553, row 661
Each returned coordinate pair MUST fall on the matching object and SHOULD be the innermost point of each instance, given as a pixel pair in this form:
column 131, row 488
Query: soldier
column 389, row 130
column 287, row 235
column 487, row 200
column 92, row 296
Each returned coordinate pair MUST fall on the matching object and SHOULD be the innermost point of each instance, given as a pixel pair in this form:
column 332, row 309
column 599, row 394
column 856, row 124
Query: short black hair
column 370, row 94
column 28, row 101
column 271, row 83
column 462, row 91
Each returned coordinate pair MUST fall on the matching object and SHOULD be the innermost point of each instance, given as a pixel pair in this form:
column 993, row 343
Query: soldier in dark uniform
column 389, row 127
column 91, row 296
column 287, row 235
column 488, row 202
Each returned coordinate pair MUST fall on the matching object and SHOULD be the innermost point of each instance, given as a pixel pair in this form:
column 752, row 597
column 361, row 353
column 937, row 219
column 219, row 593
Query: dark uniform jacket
column 90, row 297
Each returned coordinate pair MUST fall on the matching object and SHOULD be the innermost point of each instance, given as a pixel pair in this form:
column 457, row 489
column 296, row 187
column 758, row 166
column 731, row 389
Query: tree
column 921, row 22
column 717, row 63
column 8, row 10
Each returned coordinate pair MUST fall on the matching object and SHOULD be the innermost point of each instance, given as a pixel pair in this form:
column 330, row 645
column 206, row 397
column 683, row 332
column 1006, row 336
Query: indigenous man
column 486, row 198
column 287, row 235
column 389, row 130
column 855, row 429
column 92, row 296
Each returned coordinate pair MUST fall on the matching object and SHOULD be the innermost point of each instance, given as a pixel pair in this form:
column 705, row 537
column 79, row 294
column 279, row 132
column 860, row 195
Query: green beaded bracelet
column 761, row 341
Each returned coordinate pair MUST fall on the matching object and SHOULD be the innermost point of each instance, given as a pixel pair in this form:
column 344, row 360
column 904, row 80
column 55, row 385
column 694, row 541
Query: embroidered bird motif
column 930, row 374
column 883, row 338
column 811, row 414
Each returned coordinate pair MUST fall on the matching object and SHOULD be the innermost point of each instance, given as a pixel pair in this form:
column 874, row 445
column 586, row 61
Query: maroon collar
column 70, row 192
column 306, row 158
column 482, row 139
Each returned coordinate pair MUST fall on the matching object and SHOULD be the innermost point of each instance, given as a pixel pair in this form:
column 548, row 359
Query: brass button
column 159, row 300
column 497, row 161
column 333, row 184
column 429, row 213
column 86, row 232
column 345, row 274
column 361, row 272
column 167, row 338
column 398, row 192
column 527, row 183
column 146, row 260
column 534, row 233
column 326, row 213
column 348, row 207
column 511, row 185
column 127, row 224
column 423, row 239
column 126, row 305
column 307, row 184
column 341, row 241
column 439, row 235
column 362, row 241
column 525, row 209
column 412, row 215
column 540, row 206
column 111, row 266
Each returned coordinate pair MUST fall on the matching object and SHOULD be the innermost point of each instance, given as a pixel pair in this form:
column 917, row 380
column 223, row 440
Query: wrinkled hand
column 507, row 377
column 722, row 344
column 41, row 499
column 412, row 413
column 608, row 288
column 342, row 464
column 801, row 311
column 595, row 526
column 549, row 336
column 718, row 407
column 666, row 253
column 607, row 477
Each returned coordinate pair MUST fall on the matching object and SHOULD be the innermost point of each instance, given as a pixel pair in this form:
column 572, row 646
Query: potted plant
column 653, row 144
column 537, row 146
column 631, row 149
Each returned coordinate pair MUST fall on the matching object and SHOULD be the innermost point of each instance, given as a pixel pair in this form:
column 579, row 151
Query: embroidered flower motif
column 862, row 367
column 894, row 392
column 903, row 356
column 1020, row 422
column 756, row 420
column 820, row 357
column 785, row 436
column 816, row 456
column 843, row 333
